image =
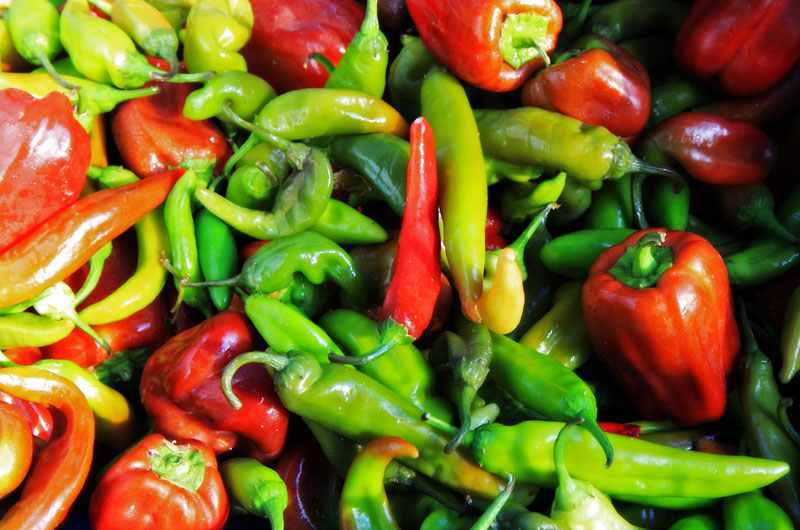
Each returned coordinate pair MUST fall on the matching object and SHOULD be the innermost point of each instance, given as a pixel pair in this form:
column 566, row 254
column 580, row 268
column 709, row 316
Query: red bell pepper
column 713, row 149
column 746, row 46
column 158, row 484
column 182, row 392
column 659, row 312
column 285, row 33
column 604, row 86
column 152, row 134
column 43, row 161
column 487, row 42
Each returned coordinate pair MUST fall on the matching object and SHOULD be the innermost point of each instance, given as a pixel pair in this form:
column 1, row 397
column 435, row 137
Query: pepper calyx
column 521, row 38
column 643, row 264
column 179, row 464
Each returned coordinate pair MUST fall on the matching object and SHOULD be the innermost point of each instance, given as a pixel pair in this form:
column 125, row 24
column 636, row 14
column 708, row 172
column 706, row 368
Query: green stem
column 521, row 242
column 644, row 263
column 783, row 417
column 546, row 58
column 199, row 77
column 678, row 182
column 564, row 479
column 486, row 520
column 243, row 149
column 269, row 358
column 392, row 334
column 464, row 416
column 296, row 154
column 45, row 60
column 443, row 426
column 636, row 200
column 96, row 263
column 590, row 424
column 370, row 25
column 322, row 60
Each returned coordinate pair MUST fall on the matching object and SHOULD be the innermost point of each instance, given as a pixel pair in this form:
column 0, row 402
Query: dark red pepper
column 43, row 161
column 285, row 33
column 182, row 392
column 746, row 46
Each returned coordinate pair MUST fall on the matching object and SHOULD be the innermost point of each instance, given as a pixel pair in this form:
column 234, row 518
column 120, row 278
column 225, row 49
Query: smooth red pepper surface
column 182, row 392
column 153, row 135
column 746, row 46
column 713, row 149
column 285, row 33
column 464, row 35
column 605, row 87
column 43, row 161
column 670, row 346
column 131, row 495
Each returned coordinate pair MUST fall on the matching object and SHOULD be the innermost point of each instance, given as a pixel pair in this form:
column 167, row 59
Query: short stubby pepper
column 181, row 391
column 659, row 312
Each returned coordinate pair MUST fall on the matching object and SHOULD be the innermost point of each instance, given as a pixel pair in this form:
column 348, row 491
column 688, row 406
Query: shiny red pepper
column 285, row 33
column 746, row 46
column 43, row 161
column 659, row 312
column 604, row 86
column 486, row 42
column 182, row 392
column 713, row 149
column 153, row 135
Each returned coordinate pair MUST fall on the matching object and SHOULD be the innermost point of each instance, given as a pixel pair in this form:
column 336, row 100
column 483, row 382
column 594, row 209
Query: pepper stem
column 321, row 59
column 636, row 200
column 172, row 77
column 179, row 465
column 269, row 358
column 295, row 153
column 243, row 149
column 644, row 263
column 392, row 334
column 590, row 424
column 96, row 263
column 678, row 182
column 464, row 416
column 783, row 417
column 565, row 482
column 521, row 242
column 370, row 25
column 486, row 520
column 443, row 426
column 48, row 65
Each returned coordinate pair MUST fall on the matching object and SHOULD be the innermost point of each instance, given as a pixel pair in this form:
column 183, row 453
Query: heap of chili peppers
column 346, row 264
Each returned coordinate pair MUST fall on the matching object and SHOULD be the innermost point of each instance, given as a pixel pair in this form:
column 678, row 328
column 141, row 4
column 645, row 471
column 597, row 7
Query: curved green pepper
column 611, row 206
column 215, row 32
column 573, row 254
column 345, row 225
column 246, row 93
column 406, row 75
column 520, row 201
column 251, row 187
column 34, row 29
column 255, row 488
column 27, row 329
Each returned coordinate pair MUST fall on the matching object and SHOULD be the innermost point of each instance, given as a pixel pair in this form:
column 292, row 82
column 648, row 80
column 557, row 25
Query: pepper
column 256, row 489
column 648, row 278
column 246, row 93
column 744, row 47
column 713, row 149
column 697, row 522
column 363, row 503
column 624, row 19
column 573, row 254
column 37, row 181
column 678, row 94
column 215, row 32
column 790, row 339
column 523, row 200
column 406, row 74
column 161, row 484
column 345, row 225
column 604, row 85
column 217, row 255
column 284, row 36
column 34, row 29
column 539, row 285
column 462, row 181
column 16, row 447
column 612, row 206
column 10, row 60
column 149, row 28
column 180, row 389
column 362, row 409
column 495, row 46
column 60, row 470
column 752, row 509
column 561, row 333
column 501, row 305
column 69, row 238
column 763, row 430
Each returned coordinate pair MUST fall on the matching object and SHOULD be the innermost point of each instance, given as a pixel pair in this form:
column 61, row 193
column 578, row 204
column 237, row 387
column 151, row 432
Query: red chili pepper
column 43, row 161
column 25, row 355
column 485, row 42
column 747, row 46
column 68, row 239
column 159, row 484
column 626, row 429
column 153, row 135
column 414, row 287
column 713, row 149
column 659, row 312
column 182, row 392
column 604, row 86
column 285, row 33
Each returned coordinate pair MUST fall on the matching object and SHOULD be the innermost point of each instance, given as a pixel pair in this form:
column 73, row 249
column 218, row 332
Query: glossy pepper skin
column 679, row 338
column 478, row 40
column 180, row 389
column 44, row 160
column 256, row 488
column 746, row 47
column 161, row 484
column 604, row 86
column 215, row 32
column 285, row 34
column 16, row 447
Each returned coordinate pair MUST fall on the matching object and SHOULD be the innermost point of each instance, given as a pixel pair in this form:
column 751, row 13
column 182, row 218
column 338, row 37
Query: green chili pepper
column 574, row 201
column 545, row 386
column 255, row 488
column 58, row 302
column 463, row 195
column 403, row 368
column 573, row 254
column 497, row 170
column 347, row 226
column 381, row 158
column 406, row 75
column 611, row 206
column 525, row 136
column 246, row 93
column 763, row 430
column 34, row 29
column 624, row 19
column 753, row 510
column 697, row 522
column 363, row 65
column 27, row 329
column 251, row 187
column 522, row 200
column 641, row 469
column 666, row 206
column 674, row 96
column 149, row 28
column 446, row 519
column 8, row 53
column 790, row 338
column 308, row 297
column 724, row 242
column 215, row 32
column 217, row 255
column 96, row 263
column 358, row 407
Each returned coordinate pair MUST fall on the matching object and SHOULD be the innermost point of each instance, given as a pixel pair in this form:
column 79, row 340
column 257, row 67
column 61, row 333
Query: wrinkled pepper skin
column 745, row 46
column 466, row 35
column 285, row 33
column 139, row 491
column 180, row 389
column 43, row 161
column 670, row 346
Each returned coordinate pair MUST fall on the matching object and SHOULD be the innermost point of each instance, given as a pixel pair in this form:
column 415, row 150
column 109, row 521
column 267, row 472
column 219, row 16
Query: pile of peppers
column 399, row 264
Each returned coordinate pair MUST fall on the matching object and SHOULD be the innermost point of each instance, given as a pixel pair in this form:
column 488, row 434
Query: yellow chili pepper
column 500, row 308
